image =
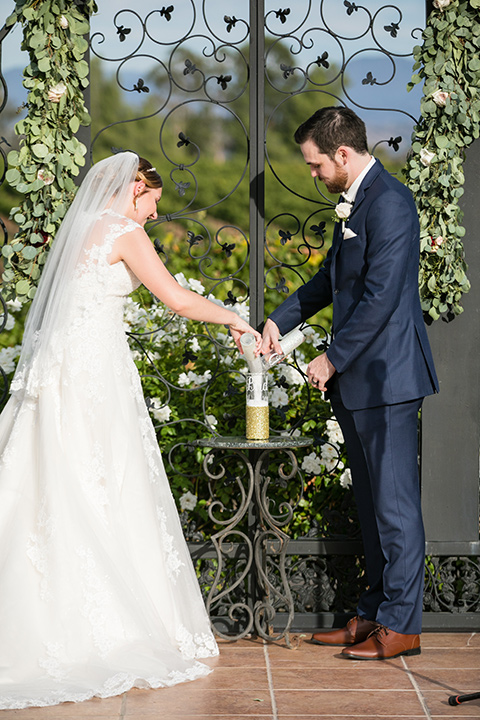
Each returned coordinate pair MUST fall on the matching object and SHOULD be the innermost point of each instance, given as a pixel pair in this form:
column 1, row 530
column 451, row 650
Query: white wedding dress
column 97, row 589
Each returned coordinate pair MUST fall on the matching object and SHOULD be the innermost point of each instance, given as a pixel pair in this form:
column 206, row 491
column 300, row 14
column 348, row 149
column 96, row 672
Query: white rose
column 440, row 97
column 343, row 210
column 188, row 501
column 334, row 432
column 211, row 420
column 182, row 280
column 46, row 176
column 183, row 379
column 441, row 4
column 63, row 22
column 195, row 345
column 56, row 92
column 346, row 478
column 160, row 412
column 278, row 397
column 331, row 457
column 291, row 375
column 426, row 157
column 312, row 464
column 14, row 305
column 196, row 286
column 8, row 356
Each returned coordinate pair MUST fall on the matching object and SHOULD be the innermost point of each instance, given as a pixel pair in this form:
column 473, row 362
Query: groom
column 376, row 373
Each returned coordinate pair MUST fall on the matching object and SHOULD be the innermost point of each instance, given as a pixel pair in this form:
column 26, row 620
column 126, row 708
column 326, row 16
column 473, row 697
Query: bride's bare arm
column 137, row 251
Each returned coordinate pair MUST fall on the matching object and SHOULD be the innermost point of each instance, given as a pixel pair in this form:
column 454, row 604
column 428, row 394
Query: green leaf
column 12, row 176
column 22, row 287
column 11, row 19
column 442, row 141
column 7, row 251
column 29, row 252
column 40, row 150
column 82, row 69
column 44, row 64
column 74, row 124
column 37, row 40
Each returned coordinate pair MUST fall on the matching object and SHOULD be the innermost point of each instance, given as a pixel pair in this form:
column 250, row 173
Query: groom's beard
column 338, row 183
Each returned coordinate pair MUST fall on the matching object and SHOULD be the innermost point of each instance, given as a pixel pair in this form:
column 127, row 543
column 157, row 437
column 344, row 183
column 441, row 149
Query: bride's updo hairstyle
column 148, row 174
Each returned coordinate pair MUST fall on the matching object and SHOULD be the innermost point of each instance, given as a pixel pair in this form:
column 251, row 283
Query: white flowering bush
column 194, row 382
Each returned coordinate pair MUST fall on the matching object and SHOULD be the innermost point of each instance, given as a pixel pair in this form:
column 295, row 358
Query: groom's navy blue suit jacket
column 379, row 342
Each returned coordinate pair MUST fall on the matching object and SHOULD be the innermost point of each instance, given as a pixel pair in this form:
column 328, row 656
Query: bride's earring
column 135, row 202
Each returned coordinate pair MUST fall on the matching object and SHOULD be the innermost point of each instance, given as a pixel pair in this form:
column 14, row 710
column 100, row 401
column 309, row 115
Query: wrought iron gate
column 216, row 91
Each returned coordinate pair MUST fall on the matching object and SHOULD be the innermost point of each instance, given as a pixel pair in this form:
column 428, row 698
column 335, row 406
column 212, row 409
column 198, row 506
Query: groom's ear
column 342, row 155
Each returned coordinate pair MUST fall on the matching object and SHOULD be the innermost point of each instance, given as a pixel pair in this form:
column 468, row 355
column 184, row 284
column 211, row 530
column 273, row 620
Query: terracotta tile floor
column 257, row 681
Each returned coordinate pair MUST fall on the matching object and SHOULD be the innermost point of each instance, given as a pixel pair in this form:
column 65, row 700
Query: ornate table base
column 252, row 535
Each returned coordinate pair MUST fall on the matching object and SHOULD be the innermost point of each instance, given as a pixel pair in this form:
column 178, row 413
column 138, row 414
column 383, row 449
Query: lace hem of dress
column 116, row 685
column 198, row 645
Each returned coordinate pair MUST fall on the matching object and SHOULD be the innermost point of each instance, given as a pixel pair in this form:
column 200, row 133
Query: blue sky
column 365, row 51
column 334, row 13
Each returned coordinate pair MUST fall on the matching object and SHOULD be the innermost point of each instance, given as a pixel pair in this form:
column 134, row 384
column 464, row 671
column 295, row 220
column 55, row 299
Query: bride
column 97, row 590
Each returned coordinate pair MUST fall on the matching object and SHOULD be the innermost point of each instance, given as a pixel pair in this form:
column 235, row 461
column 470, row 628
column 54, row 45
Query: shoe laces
column 380, row 632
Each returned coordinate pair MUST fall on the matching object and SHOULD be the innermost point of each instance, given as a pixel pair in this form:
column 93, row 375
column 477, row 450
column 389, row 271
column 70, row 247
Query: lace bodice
column 92, row 313
column 96, row 282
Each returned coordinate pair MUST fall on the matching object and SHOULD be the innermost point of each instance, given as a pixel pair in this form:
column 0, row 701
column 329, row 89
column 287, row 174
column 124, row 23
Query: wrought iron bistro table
column 249, row 599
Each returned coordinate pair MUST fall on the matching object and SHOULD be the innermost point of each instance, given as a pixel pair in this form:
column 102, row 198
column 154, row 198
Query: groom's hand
column 319, row 372
column 270, row 334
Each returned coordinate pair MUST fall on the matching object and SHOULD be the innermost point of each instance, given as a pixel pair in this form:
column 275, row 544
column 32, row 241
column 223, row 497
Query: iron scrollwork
column 251, row 531
column 452, row 584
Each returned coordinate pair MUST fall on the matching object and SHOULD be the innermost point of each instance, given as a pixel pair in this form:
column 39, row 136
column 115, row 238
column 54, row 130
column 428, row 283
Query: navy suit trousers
column 382, row 448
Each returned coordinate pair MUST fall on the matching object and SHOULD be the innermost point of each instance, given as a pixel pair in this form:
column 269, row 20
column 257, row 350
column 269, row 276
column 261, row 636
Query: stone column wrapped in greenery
column 449, row 64
column 50, row 155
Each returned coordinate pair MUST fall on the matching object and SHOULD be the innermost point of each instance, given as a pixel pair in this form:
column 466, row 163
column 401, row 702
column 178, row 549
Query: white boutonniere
column 342, row 211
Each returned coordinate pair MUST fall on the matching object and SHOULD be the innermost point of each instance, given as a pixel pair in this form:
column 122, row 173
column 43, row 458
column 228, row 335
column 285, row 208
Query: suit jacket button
column 336, row 291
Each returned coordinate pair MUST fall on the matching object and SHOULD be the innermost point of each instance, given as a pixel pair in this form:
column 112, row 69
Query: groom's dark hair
column 331, row 127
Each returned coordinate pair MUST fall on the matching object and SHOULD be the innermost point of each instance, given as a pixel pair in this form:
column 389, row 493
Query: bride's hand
column 238, row 327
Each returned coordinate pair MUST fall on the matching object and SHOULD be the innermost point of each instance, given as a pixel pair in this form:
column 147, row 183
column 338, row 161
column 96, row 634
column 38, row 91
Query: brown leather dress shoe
column 357, row 630
column 383, row 644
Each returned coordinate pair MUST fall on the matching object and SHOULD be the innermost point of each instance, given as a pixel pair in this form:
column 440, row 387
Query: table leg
column 270, row 547
column 228, row 541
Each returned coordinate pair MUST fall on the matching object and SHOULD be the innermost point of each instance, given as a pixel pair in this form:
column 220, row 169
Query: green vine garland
column 449, row 64
column 50, row 155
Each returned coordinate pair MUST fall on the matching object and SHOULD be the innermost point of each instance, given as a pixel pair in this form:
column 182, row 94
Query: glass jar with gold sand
column 257, row 406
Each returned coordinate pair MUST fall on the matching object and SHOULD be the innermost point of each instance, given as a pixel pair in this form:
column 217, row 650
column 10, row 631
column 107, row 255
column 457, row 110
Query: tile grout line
column 270, row 681
column 417, row 689
column 123, row 709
